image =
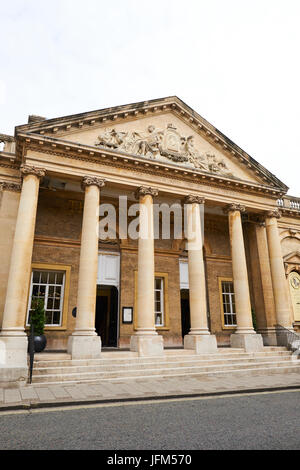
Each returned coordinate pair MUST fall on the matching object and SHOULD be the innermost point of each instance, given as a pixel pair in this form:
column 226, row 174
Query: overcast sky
column 234, row 62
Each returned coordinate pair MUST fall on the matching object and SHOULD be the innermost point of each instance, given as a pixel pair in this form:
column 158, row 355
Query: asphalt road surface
column 260, row 421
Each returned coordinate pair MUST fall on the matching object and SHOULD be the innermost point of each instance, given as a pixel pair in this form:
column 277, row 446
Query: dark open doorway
column 106, row 322
column 185, row 312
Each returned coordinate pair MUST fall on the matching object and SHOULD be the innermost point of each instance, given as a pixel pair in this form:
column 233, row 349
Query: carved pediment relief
column 163, row 144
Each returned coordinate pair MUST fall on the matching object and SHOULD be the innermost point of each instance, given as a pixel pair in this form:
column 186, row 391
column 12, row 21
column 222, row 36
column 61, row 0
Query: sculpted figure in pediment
column 112, row 139
column 148, row 143
column 217, row 165
column 168, row 143
column 192, row 153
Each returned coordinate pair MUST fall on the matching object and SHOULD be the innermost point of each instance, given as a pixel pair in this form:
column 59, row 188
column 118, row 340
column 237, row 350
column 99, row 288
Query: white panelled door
column 109, row 269
column 184, row 274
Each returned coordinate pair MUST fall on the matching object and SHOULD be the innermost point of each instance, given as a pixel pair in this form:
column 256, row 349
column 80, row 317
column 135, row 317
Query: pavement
column 56, row 395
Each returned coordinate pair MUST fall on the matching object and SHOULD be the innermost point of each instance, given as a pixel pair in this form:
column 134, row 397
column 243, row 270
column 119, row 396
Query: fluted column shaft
column 280, row 286
column 20, row 265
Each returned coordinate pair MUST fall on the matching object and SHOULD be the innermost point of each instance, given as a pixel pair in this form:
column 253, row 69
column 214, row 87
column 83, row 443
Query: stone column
column 280, row 286
column 245, row 335
column 84, row 342
column 199, row 337
column 13, row 339
column 146, row 341
column 268, row 332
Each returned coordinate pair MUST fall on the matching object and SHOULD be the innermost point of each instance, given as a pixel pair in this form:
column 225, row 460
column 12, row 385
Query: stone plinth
column 201, row 344
column 147, row 345
column 13, row 361
column 84, row 347
column 250, row 342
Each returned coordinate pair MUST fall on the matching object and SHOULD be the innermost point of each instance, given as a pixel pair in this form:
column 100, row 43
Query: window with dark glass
column 228, row 299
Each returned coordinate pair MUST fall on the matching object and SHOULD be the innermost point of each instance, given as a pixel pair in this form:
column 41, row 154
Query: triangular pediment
column 165, row 130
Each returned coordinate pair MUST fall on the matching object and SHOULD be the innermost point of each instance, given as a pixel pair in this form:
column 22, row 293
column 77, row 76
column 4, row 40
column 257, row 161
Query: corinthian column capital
column 234, row 207
column 193, row 199
column 146, row 190
column 275, row 213
column 92, row 181
column 32, row 170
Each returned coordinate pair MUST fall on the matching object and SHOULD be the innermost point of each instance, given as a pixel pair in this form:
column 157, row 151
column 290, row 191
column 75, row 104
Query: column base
column 201, row 344
column 147, row 345
column 268, row 335
column 84, row 347
column 13, row 361
column 251, row 342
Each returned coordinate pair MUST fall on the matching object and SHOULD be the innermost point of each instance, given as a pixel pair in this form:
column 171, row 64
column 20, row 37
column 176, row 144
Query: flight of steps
column 59, row 368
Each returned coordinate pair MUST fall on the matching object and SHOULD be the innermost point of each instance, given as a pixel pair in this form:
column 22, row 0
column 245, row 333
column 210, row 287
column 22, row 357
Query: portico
column 230, row 207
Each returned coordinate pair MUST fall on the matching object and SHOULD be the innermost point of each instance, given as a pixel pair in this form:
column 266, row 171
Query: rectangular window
column 228, row 301
column 159, row 301
column 49, row 286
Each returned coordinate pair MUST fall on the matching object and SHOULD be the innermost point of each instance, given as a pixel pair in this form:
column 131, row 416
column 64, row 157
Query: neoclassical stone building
column 229, row 284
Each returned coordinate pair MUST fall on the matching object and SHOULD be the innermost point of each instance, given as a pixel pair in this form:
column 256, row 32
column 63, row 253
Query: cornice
column 7, row 165
column 290, row 212
column 122, row 160
column 10, row 186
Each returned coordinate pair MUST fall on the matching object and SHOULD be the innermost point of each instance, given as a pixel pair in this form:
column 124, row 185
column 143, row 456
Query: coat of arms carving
column 168, row 143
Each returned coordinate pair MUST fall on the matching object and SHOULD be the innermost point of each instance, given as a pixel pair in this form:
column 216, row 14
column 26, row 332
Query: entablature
column 118, row 159
column 135, row 172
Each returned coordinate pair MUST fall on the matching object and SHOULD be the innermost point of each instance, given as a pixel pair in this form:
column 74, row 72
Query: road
column 257, row 421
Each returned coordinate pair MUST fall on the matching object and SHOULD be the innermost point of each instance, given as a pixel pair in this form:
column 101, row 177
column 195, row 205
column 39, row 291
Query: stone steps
column 134, row 359
column 215, row 373
column 127, row 366
column 67, row 369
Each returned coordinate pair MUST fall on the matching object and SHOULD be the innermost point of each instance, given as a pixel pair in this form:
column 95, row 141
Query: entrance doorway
column 185, row 312
column 106, row 318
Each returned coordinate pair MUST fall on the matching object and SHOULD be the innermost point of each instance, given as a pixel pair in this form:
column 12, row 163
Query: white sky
column 236, row 62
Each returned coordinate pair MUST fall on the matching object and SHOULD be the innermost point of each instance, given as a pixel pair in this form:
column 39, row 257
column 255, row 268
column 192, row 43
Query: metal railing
column 31, row 352
column 288, row 338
